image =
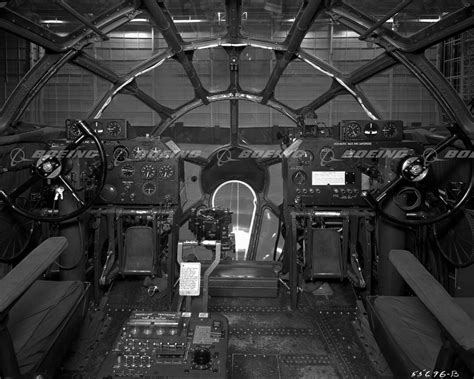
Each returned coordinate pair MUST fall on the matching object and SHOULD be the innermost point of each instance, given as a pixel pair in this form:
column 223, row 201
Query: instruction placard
column 190, row 279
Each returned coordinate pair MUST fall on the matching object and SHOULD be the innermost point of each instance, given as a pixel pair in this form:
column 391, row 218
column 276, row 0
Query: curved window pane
column 414, row 17
column 131, row 109
column 197, row 19
column 71, row 93
column 300, row 84
column 241, row 199
column 338, row 46
column 268, row 19
column 51, row 16
column 266, row 249
column 168, row 84
column 128, row 46
column 209, row 116
column 275, row 185
column 399, row 95
column 345, row 107
column 212, row 66
column 255, row 68
column 14, row 63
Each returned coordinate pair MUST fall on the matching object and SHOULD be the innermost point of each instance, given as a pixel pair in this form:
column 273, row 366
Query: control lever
column 109, row 262
column 355, row 271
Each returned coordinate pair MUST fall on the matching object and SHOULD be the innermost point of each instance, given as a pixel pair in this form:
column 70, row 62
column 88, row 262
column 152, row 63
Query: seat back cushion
column 413, row 330
column 38, row 318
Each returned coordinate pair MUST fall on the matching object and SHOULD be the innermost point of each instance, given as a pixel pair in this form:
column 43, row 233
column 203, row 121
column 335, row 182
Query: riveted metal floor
column 326, row 337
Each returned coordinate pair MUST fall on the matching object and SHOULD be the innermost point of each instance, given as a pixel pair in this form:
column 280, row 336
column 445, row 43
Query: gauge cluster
column 328, row 172
column 106, row 129
column 141, row 171
column 371, row 130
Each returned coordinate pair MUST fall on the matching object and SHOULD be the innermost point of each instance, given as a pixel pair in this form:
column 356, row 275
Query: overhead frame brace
column 81, row 18
column 380, row 22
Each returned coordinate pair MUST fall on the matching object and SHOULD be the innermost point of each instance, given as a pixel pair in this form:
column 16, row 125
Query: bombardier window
column 241, row 199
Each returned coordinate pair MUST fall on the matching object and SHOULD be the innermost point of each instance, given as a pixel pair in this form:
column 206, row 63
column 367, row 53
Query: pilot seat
column 38, row 318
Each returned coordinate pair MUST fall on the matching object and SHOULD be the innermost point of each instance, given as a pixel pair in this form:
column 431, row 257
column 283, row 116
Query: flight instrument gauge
column 389, row 130
column 148, row 171
column 127, row 171
column 299, row 177
column 139, row 153
column 97, row 127
column 371, row 129
column 74, row 130
column 306, row 157
column 352, row 130
column 120, row 154
column 166, row 172
column 148, row 188
column 156, row 154
column 114, row 128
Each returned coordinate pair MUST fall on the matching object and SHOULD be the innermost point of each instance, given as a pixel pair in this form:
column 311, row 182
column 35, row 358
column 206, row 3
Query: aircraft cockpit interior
column 236, row 189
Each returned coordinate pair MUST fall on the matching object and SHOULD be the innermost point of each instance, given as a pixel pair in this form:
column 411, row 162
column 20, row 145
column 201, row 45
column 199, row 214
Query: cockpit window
column 128, row 46
column 71, row 93
column 342, row 64
column 411, row 18
column 197, row 19
column 157, row 82
column 268, row 19
column 15, row 62
column 241, row 199
column 405, row 100
column 61, row 17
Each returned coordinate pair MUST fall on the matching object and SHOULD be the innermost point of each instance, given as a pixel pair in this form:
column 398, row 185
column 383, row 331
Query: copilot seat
column 431, row 331
column 37, row 317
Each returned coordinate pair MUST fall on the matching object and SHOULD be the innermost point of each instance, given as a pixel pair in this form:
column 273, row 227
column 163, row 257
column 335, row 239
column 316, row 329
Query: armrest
column 18, row 280
column 433, row 295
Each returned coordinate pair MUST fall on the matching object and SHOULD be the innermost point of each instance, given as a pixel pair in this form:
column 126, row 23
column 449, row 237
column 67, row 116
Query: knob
column 108, row 193
column 202, row 358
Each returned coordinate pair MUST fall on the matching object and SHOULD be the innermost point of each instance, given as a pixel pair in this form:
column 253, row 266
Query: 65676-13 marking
column 434, row 374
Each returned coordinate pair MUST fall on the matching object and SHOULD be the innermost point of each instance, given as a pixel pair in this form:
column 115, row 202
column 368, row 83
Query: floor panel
column 266, row 338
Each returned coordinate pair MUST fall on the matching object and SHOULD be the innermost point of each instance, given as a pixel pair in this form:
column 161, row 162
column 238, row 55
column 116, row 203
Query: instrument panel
column 106, row 129
column 171, row 345
column 142, row 171
column 371, row 130
column 331, row 172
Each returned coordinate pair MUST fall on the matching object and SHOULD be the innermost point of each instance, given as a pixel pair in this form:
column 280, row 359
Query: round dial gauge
column 166, row 172
column 371, row 129
column 74, row 130
column 127, row 171
column 352, row 130
column 114, row 128
column 120, row 154
column 97, row 126
column 148, row 171
column 306, row 158
column 299, row 177
column 389, row 129
column 156, row 154
column 148, row 188
column 139, row 153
